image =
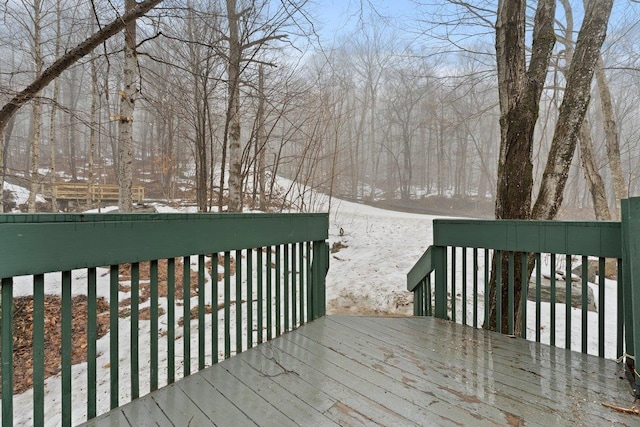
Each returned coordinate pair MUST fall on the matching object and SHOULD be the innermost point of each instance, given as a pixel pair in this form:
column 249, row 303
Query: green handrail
column 567, row 239
column 32, row 245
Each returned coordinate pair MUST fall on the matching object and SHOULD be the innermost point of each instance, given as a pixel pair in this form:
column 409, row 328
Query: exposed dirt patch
column 124, row 273
column 23, row 335
column 337, row 247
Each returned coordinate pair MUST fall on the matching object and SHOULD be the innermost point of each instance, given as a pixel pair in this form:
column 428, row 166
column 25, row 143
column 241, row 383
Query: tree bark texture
column 125, row 119
column 612, row 139
column 519, row 94
column 233, row 114
column 592, row 175
column 573, row 108
column 37, row 108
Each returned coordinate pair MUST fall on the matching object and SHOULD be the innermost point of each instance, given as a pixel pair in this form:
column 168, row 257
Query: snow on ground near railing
column 366, row 277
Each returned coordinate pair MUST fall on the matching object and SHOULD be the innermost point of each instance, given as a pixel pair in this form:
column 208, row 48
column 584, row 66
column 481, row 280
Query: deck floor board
column 341, row 370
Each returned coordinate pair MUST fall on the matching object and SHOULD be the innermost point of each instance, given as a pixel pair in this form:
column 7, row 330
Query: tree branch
column 70, row 58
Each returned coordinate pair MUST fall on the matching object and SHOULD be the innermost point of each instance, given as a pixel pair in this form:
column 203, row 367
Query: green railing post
column 440, row 263
column 7, row 351
column 318, row 274
column 630, row 214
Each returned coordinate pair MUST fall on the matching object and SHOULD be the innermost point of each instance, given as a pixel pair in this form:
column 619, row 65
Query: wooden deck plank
column 558, row 392
column 393, row 372
column 249, row 401
column 534, row 362
column 346, row 399
column 396, row 397
column 143, row 412
column 287, row 402
column 437, row 379
column 465, row 386
column 212, row 403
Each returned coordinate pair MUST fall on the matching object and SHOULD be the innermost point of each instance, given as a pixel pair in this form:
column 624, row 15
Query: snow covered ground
column 366, row 277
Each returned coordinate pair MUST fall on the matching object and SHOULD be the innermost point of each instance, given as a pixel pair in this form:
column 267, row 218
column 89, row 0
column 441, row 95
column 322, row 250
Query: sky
column 340, row 17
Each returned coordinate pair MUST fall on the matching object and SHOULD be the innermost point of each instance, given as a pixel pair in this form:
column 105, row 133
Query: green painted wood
column 153, row 273
column 596, row 238
column 453, row 284
column 552, row 300
column 278, row 294
column 227, row 306
column 186, row 312
column 464, row 286
column 260, row 302
column 38, row 349
column 249, row 298
column 171, row 320
column 92, row 334
column 538, row 296
column 45, row 243
column 309, row 281
column 238, row 305
column 269, row 294
column 524, row 279
column 215, row 319
column 294, row 287
column 134, row 330
column 114, row 355
column 620, row 310
column 510, row 292
column 567, row 299
column 498, row 257
column 440, row 261
column 631, row 223
column 286, row 293
column 421, row 269
column 475, row 287
column 65, row 348
column 486, row 285
column 585, row 287
column 302, row 282
column 201, row 311
column 601, row 305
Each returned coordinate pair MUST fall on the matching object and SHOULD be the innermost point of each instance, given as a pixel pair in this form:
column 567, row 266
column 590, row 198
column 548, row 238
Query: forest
column 211, row 103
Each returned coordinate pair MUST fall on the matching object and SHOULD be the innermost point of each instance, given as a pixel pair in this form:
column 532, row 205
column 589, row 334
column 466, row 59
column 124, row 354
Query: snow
column 21, row 194
column 366, row 277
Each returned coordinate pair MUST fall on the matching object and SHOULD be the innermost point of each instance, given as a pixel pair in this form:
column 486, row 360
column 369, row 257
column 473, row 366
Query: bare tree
column 520, row 91
column 60, row 64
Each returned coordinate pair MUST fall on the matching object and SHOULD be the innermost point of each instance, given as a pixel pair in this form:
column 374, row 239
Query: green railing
column 453, row 276
column 234, row 279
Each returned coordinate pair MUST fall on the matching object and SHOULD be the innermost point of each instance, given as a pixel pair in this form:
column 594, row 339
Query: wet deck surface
column 354, row 371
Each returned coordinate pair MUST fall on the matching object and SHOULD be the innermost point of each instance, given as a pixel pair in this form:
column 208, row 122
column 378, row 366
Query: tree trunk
column 612, row 140
column 573, row 108
column 71, row 57
column 92, row 131
column 125, row 120
column 261, row 140
column 592, row 176
column 233, row 116
column 37, row 109
column 519, row 95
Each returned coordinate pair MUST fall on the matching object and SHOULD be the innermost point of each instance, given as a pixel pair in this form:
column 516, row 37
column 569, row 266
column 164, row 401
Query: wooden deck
column 354, row 371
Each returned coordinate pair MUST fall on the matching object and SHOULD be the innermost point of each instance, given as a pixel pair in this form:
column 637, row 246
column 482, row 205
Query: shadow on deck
column 342, row 370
